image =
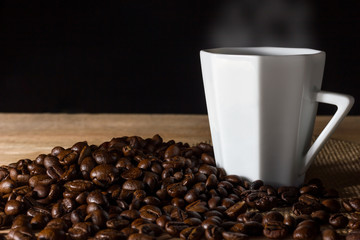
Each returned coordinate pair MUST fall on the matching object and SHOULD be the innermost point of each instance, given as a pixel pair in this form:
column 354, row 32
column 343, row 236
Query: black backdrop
column 143, row 56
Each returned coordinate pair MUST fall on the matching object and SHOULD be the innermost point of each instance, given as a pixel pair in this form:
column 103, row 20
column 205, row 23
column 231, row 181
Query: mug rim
column 262, row 51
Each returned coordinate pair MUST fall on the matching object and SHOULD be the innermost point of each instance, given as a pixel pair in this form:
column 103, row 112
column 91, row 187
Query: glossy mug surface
column 262, row 104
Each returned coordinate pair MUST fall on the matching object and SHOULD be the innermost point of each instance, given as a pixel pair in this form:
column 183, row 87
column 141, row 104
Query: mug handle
column 343, row 103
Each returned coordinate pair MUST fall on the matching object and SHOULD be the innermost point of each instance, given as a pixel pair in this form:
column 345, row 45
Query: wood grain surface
column 28, row 135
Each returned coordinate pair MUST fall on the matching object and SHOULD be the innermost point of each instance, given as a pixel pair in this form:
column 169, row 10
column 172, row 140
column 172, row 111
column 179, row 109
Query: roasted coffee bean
column 305, row 232
column 79, row 185
column 174, row 164
column 178, row 202
column 192, row 233
column 192, row 221
column 58, row 223
column 51, row 234
column 4, row 219
column 338, row 220
column 78, row 147
column 57, row 210
column 98, row 198
column 138, row 222
column 41, row 179
column 81, row 231
column 355, row 203
column 214, row 220
column 144, row 164
column 21, row 221
column 68, row 204
column 290, row 196
column 252, row 228
column 78, row 215
column 331, row 205
column 151, row 180
column 301, row 218
column 309, row 200
column 250, row 216
column 98, row 217
column 214, row 233
column 56, row 150
column 289, row 222
column 208, row 169
column 312, row 190
column 256, row 185
column 13, row 207
column 151, row 200
column 227, row 202
column 234, row 236
column 150, row 229
column 197, row 206
column 275, row 230
column 213, row 202
column 70, row 174
column 227, row 225
column 236, row 209
column 213, row 213
column 272, row 216
column 7, row 186
column 41, row 191
column 321, row 216
column 39, row 221
column 102, row 157
column 200, row 187
column 172, row 151
column 110, row 234
column 133, row 185
column 51, row 161
column 150, row 212
column 140, row 236
column 36, row 169
column 130, row 214
column 178, row 214
column 352, row 204
column 208, row 159
column 211, row 181
column 132, row 173
column 174, row 228
column 300, row 208
column 87, row 164
column 234, row 179
column 67, row 157
column 309, row 222
column 22, row 233
column 163, row 219
column 260, row 200
column 329, row 234
column 176, row 190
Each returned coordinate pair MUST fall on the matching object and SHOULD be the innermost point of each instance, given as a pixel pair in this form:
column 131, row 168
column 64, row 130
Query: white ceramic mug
column 262, row 105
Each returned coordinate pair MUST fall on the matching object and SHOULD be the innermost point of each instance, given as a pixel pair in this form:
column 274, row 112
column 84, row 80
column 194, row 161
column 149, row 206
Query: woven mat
column 338, row 166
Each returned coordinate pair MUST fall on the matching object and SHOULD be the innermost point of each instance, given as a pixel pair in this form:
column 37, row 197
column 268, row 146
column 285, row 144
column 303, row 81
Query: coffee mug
column 262, row 104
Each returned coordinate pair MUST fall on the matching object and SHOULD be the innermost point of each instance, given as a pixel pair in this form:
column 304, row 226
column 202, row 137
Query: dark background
column 143, row 56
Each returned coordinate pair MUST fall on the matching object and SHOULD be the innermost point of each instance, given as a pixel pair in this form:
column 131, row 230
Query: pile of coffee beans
column 135, row 188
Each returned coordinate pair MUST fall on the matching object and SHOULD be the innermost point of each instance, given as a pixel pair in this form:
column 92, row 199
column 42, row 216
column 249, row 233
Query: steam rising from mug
column 265, row 22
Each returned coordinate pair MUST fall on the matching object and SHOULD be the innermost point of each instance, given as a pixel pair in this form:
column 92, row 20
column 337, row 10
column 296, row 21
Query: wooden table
column 28, row 135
